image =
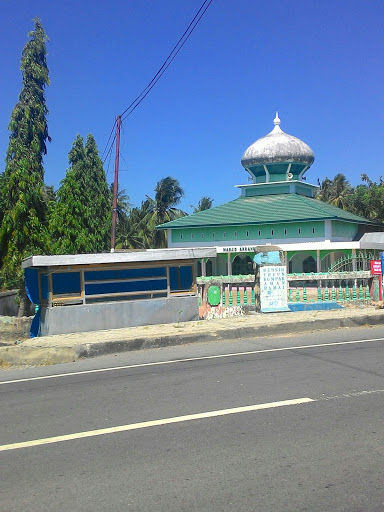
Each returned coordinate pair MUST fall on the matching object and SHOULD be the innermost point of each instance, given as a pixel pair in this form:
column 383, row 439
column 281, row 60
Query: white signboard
column 237, row 248
column 273, row 289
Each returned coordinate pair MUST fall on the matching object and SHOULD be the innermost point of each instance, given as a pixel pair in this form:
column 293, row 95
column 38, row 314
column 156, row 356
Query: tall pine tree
column 81, row 220
column 23, row 219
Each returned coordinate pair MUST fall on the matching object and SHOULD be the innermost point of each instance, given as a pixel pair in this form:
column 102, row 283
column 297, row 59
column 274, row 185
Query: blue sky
column 319, row 62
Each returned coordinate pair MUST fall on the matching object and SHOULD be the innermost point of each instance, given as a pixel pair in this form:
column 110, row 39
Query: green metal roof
column 265, row 210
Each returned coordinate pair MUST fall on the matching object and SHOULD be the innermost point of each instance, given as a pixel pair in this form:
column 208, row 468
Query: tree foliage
column 138, row 229
column 366, row 199
column 336, row 191
column 123, row 204
column 81, row 218
column 163, row 208
column 23, row 209
column 205, row 203
column 133, row 231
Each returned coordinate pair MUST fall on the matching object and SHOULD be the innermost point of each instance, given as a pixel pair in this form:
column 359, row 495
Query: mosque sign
column 273, row 289
column 247, row 248
column 271, row 280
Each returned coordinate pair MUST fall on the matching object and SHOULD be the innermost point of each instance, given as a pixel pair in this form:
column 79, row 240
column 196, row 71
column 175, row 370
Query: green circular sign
column 214, row 295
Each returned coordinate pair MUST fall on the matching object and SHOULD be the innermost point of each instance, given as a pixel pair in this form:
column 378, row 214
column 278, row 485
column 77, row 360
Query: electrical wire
column 126, row 163
column 178, row 46
column 109, row 138
column 165, row 65
column 109, row 162
column 110, row 149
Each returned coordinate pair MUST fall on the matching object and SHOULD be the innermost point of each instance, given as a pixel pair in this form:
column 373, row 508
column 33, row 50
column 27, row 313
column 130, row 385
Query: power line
column 175, row 50
column 109, row 163
column 109, row 138
column 178, row 46
column 126, row 163
column 110, row 149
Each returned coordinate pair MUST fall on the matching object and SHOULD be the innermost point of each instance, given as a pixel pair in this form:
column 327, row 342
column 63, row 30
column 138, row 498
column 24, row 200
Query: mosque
column 276, row 207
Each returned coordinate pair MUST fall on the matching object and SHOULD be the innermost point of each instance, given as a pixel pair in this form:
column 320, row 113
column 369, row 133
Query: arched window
column 302, row 262
column 242, row 265
column 309, row 265
column 209, row 268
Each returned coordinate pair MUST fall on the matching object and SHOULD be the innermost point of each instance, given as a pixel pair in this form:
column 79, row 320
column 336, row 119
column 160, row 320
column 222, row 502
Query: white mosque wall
column 293, row 242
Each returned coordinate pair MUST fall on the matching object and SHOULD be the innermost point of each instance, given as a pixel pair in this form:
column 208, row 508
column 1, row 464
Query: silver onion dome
column 276, row 147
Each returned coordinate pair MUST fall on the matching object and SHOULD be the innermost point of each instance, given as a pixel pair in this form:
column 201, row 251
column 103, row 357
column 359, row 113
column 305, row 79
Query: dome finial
column 276, row 121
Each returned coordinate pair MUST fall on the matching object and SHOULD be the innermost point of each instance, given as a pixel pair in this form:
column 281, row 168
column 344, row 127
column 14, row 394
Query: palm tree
column 133, row 231
column 336, row 192
column 137, row 226
column 123, row 204
column 325, row 190
column 205, row 203
column 341, row 188
column 161, row 209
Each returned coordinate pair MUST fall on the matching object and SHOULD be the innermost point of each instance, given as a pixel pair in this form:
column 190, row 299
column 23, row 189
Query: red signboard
column 376, row 267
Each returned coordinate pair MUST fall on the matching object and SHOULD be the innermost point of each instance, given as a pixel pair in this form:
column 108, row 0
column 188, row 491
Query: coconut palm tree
column 137, row 229
column 325, row 190
column 340, row 190
column 336, row 192
column 133, row 231
column 123, row 204
column 205, row 203
column 163, row 208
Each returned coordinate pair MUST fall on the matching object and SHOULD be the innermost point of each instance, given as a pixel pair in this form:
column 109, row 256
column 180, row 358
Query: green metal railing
column 341, row 294
column 352, row 262
column 343, row 287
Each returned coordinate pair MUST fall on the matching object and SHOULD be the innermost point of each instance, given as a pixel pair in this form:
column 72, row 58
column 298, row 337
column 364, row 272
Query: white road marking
column 153, row 423
column 189, row 359
column 353, row 393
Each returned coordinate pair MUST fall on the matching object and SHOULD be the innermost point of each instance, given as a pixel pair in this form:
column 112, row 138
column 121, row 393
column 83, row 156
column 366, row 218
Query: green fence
column 342, row 287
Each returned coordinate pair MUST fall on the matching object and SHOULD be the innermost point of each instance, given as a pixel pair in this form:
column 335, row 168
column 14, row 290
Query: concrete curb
column 36, row 356
column 20, row 355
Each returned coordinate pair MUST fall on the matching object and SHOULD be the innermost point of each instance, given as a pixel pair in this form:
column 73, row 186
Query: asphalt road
column 227, row 426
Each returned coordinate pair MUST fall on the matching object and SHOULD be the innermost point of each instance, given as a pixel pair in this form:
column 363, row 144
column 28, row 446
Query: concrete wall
column 8, row 306
column 14, row 328
column 249, row 234
column 115, row 315
column 343, row 230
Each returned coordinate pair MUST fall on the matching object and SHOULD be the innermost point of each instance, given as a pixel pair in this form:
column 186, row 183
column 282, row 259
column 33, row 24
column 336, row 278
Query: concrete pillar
column 318, row 261
column 331, row 259
column 203, row 267
column 354, row 262
column 214, row 267
column 328, row 230
column 229, row 264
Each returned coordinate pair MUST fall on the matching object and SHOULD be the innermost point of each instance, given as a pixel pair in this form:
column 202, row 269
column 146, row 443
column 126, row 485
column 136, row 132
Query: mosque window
column 285, row 231
column 259, row 232
column 191, row 236
column 224, row 234
column 313, row 230
column 242, row 265
column 181, row 237
column 299, row 231
column 247, row 233
column 272, row 232
column 202, row 235
column 213, row 235
column 235, row 233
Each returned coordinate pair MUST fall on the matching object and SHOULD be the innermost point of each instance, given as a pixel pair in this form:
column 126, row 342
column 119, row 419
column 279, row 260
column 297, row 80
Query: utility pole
column 115, row 184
